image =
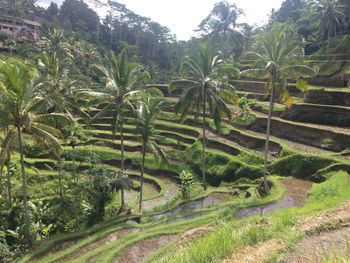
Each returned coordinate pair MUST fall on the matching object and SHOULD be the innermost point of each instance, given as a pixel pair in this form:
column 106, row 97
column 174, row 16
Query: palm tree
column 204, row 83
column 122, row 81
column 74, row 134
column 147, row 109
column 222, row 20
column 27, row 114
column 277, row 63
column 5, row 153
column 329, row 14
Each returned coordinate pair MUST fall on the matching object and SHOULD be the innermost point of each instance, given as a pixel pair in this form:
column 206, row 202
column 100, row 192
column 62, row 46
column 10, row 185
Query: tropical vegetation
column 119, row 142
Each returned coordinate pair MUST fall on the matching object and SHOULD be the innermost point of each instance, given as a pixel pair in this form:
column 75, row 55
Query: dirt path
column 222, row 139
column 293, row 145
column 171, row 191
column 327, row 246
column 108, row 239
column 311, row 125
column 337, row 219
column 327, row 236
column 255, row 254
column 140, row 251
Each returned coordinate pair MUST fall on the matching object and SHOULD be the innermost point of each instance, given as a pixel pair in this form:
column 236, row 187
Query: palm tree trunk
column 122, row 198
column 74, row 168
column 268, row 129
column 142, row 171
column 328, row 37
column 60, row 176
column 24, row 191
column 9, row 187
column 204, row 142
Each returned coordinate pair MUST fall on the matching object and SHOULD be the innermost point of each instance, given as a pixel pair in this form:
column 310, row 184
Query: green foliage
column 7, row 256
column 298, row 165
column 246, row 117
column 329, row 190
column 221, row 167
column 186, row 183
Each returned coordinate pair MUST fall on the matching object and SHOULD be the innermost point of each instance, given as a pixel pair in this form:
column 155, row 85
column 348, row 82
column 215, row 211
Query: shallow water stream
column 206, row 202
column 295, row 196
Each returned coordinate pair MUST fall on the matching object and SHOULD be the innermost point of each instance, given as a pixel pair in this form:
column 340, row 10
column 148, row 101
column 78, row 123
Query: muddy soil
column 328, row 246
column 255, row 254
column 295, row 196
column 140, row 251
column 108, row 239
column 206, row 202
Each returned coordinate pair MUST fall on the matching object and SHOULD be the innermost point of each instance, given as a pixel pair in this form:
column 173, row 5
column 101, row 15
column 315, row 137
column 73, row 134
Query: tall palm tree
column 121, row 81
column 330, row 15
column 147, row 110
column 205, row 86
column 74, row 134
column 27, row 114
column 277, row 63
column 5, row 153
column 222, row 20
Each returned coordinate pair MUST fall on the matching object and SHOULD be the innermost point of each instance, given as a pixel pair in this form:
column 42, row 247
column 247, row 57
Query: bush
column 6, row 255
column 220, row 167
column 31, row 149
column 300, row 166
column 186, row 183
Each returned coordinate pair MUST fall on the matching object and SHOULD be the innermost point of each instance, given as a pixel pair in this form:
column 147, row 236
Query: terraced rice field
column 130, row 238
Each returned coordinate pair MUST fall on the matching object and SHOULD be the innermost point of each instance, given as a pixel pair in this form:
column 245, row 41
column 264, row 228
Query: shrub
column 186, row 183
column 6, row 255
column 301, row 166
column 221, row 167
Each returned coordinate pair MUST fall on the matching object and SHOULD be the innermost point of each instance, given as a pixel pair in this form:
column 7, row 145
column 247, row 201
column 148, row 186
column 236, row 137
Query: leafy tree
column 277, row 63
column 19, row 8
column 329, row 16
column 186, row 184
column 122, row 82
column 100, row 188
column 79, row 17
column 74, row 134
column 23, row 100
column 205, row 85
column 289, row 10
column 146, row 113
column 222, row 20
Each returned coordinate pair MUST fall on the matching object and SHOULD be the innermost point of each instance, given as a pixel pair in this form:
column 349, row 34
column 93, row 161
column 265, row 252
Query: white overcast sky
column 183, row 16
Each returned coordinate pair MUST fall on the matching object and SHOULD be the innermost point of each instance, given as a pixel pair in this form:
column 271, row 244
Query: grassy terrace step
column 227, row 132
column 133, row 174
column 318, row 114
column 324, row 137
column 132, row 160
column 132, row 146
column 160, row 125
column 328, row 96
column 259, row 86
column 134, row 137
column 170, row 123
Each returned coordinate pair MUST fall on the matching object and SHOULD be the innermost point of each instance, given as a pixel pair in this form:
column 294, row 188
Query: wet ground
column 141, row 250
column 295, row 196
column 214, row 199
column 108, row 239
column 328, row 246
